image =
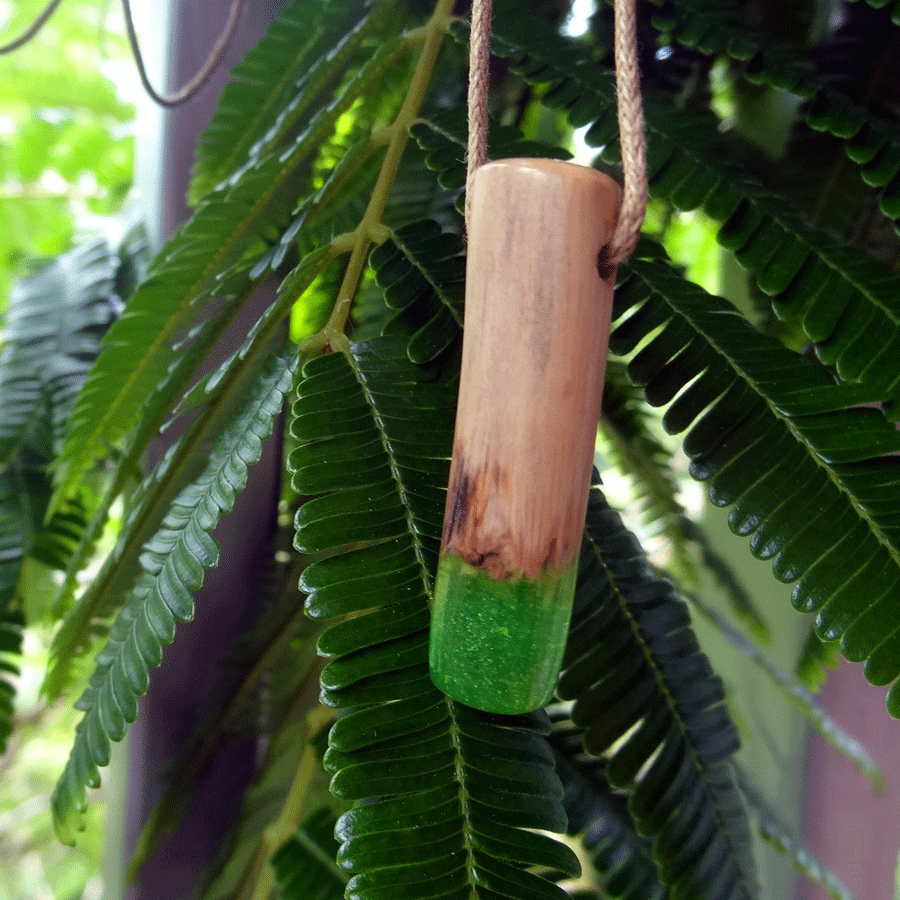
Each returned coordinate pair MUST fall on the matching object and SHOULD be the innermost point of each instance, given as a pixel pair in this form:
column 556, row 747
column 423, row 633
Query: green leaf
column 799, row 696
column 248, row 851
column 630, row 439
column 839, row 296
column 305, row 866
column 807, row 471
column 446, row 788
column 270, row 664
column 815, row 657
column 647, row 698
column 174, row 561
column 870, row 141
column 598, row 815
column 11, row 625
column 51, row 337
column 422, row 271
column 443, row 134
column 197, row 283
column 216, row 397
column 775, row 832
column 281, row 81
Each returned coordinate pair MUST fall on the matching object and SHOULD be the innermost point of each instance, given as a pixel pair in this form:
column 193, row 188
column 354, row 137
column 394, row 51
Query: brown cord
column 479, row 81
column 42, row 18
column 191, row 89
column 630, row 114
column 198, row 82
column 632, row 138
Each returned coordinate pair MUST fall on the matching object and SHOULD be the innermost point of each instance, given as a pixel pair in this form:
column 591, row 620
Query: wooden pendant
column 538, row 307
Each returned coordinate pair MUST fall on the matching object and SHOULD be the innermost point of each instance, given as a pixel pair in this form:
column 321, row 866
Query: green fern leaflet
column 451, row 793
column 174, row 562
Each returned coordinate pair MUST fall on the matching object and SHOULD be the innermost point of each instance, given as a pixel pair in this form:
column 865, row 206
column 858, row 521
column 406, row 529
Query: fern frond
column 645, row 694
column 835, row 294
column 216, row 397
column 11, row 625
column 815, row 657
column 57, row 540
column 15, row 535
column 416, row 196
column 278, row 648
column 804, row 862
column 73, row 636
column 24, row 490
column 24, row 533
column 872, row 142
column 50, row 339
column 626, row 426
column 421, row 267
column 210, row 258
column 279, row 82
column 270, row 806
column 159, row 329
column 155, row 411
column 422, row 271
column 448, row 790
column 335, row 208
column 174, row 561
column 443, row 138
column 809, row 473
column 598, row 815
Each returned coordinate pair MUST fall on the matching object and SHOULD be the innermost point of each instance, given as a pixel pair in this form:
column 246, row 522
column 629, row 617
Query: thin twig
column 32, row 29
column 198, row 82
column 371, row 227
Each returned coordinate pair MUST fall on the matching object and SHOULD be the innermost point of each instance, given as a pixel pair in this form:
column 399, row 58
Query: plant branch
column 370, row 228
column 289, row 820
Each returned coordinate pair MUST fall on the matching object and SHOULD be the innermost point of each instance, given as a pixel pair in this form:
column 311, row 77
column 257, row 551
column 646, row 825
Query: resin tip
column 497, row 645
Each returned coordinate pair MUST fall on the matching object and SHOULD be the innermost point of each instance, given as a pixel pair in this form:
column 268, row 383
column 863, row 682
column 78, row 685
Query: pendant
column 537, row 318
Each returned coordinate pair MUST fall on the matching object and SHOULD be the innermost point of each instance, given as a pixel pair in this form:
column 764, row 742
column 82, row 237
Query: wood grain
column 538, row 306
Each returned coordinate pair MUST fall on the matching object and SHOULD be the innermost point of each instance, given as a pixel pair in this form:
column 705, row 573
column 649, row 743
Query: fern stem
column 370, row 227
column 262, row 853
column 796, row 693
column 460, row 771
column 289, row 820
column 665, row 689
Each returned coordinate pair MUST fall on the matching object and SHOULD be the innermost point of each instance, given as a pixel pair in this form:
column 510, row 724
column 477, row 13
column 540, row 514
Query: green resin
column 498, row 645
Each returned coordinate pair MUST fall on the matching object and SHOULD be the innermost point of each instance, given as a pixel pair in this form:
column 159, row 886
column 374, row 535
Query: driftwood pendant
column 538, row 307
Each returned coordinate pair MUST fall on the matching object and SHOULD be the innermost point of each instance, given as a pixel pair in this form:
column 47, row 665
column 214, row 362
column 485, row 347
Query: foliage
column 173, row 562
column 54, row 327
column 305, row 864
column 661, row 718
column 335, row 162
column 67, row 150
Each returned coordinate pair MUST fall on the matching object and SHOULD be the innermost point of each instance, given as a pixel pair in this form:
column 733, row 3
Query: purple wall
column 856, row 834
